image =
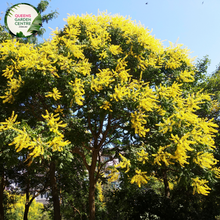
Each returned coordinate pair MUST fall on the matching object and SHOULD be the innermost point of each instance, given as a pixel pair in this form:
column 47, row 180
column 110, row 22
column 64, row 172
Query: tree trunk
column 166, row 184
column 92, row 185
column 55, row 192
column 2, row 187
column 27, row 204
column 91, row 197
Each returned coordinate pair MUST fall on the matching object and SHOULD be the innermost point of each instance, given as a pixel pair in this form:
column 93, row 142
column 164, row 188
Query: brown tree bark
column 55, row 192
column 91, row 198
column 92, row 185
column 27, row 204
column 2, row 187
column 166, row 184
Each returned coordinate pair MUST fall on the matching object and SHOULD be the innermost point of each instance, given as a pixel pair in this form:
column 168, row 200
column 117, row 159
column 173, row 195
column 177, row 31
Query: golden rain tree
column 16, row 210
column 98, row 85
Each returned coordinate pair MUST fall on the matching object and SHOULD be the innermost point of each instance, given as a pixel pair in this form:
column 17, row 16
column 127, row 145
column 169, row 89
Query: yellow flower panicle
column 205, row 160
column 139, row 178
column 106, row 106
column 216, row 171
column 142, row 156
column 186, row 76
column 53, row 122
column 199, row 186
column 58, row 109
column 103, row 79
column 22, row 140
column 125, row 163
column 182, row 147
column 114, row 174
column 55, row 94
column 177, row 55
column 163, row 156
column 120, row 93
column 115, row 49
column 138, row 123
column 10, row 122
column 12, row 88
column 100, row 193
column 78, row 88
column 58, row 143
column 38, row 147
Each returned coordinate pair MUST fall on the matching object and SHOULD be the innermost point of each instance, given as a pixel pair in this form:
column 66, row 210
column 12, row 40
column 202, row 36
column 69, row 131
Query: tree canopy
column 103, row 85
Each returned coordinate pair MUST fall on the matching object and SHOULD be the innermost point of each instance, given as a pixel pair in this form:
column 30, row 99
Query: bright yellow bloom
column 143, row 156
column 58, row 109
column 205, row 160
column 114, row 175
column 115, row 49
column 100, row 193
column 167, row 125
column 55, row 94
column 78, row 88
column 216, row 171
column 120, row 93
column 22, row 140
column 200, row 186
column 83, row 67
column 182, row 146
column 103, row 78
column 125, row 163
column 187, row 76
column 52, row 122
column 58, row 143
column 163, row 156
column 171, row 91
column 13, row 87
column 106, row 106
column 139, row 178
column 38, row 146
column 10, row 122
column 138, row 121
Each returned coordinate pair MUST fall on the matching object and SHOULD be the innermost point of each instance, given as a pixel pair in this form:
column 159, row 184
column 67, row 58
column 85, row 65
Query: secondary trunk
column 166, row 184
column 92, row 184
column 2, row 187
column 27, row 204
column 91, row 197
column 55, row 192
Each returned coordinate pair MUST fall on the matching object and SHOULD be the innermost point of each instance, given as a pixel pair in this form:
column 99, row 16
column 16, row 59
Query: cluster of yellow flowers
column 12, row 89
column 55, row 94
column 24, row 139
column 53, row 121
column 200, row 186
column 78, row 90
column 138, row 122
column 114, row 174
column 100, row 193
column 139, row 178
column 125, row 163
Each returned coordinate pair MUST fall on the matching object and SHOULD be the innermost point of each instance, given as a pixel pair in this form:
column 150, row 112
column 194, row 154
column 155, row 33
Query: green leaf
column 36, row 24
column 20, row 34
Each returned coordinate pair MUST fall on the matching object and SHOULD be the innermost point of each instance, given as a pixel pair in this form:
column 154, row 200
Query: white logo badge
column 23, row 20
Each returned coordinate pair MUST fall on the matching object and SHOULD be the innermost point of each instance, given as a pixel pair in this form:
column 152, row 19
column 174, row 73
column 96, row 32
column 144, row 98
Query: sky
column 193, row 23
